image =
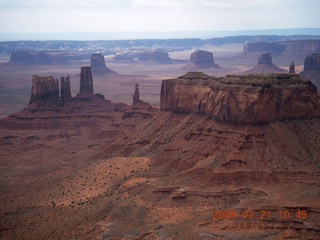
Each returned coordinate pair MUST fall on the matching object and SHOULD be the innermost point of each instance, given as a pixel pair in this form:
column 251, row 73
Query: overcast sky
column 155, row 15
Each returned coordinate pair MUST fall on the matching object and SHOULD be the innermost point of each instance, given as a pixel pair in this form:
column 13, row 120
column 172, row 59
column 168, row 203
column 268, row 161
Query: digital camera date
column 259, row 214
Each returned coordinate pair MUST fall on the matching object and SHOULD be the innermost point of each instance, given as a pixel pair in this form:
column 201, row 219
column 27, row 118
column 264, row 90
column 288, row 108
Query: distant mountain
column 152, row 35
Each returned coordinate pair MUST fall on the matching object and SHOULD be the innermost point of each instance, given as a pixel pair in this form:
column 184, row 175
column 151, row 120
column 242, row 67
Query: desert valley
column 161, row 139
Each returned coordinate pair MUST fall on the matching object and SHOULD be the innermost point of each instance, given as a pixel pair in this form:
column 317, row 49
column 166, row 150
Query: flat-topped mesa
column 98, row 64
column 86, row 82
column 65, row 88
column 243, row 99
column 155, row 57
column 203, row 59
column 44, row 89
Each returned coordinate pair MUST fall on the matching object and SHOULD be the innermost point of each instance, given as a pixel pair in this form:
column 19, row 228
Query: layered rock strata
column 98, row 64
column 86, row 82
column 44, row 89
column 246, row 99
column 201, row 59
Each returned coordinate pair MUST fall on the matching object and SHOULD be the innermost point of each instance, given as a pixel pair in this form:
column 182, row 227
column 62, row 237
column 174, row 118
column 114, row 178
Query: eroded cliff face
column 44, row 89
column 247, row 99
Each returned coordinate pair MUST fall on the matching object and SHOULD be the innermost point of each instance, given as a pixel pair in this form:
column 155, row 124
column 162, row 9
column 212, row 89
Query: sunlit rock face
column 247, row 99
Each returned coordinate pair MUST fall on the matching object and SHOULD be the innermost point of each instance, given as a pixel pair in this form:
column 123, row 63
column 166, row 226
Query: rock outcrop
column 246, row 99
column 292, row 68
column 44, row 89
column 125, row 56
column 296, row 50
column 265, row 65
column 86, row 82
column 265, row 58
column 201, row 59
column 136, row 95
column 154, row 57
column 98, row 64
column 44, row 57
column 65, row 88
column 312, row 69
column 312, row 62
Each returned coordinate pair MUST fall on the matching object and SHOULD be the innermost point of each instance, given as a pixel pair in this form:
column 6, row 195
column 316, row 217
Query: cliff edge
column 245, row 99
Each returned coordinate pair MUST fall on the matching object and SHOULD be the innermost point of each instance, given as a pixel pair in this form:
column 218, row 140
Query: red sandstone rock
column 65, row 88
column 136, row 95
column 44, row 89
column 201, row 59
column 244, row 99
column 86, row 82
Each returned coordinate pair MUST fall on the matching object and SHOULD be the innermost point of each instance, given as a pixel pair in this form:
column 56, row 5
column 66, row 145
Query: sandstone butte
column 311, row 68
column 88, row 168
column 201, row 59
column 98, row 64
column 265, row 65
column 242, row 99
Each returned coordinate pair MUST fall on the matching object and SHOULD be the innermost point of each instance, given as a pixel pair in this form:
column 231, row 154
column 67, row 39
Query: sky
column 42, row 16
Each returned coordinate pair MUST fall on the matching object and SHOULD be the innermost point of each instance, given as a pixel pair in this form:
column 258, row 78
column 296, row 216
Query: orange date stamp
column 259, row 214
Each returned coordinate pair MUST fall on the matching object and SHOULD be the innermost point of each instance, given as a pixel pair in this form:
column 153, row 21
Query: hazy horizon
column 131, row 35
column 60, row 16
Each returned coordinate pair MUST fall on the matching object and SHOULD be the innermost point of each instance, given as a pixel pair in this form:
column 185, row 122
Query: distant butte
column 201, row 59
column 265, row 65
column 98, row 64
column 312, row 69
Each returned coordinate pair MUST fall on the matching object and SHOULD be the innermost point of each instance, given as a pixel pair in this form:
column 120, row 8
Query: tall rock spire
column 136, row 95
column 86, row 82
